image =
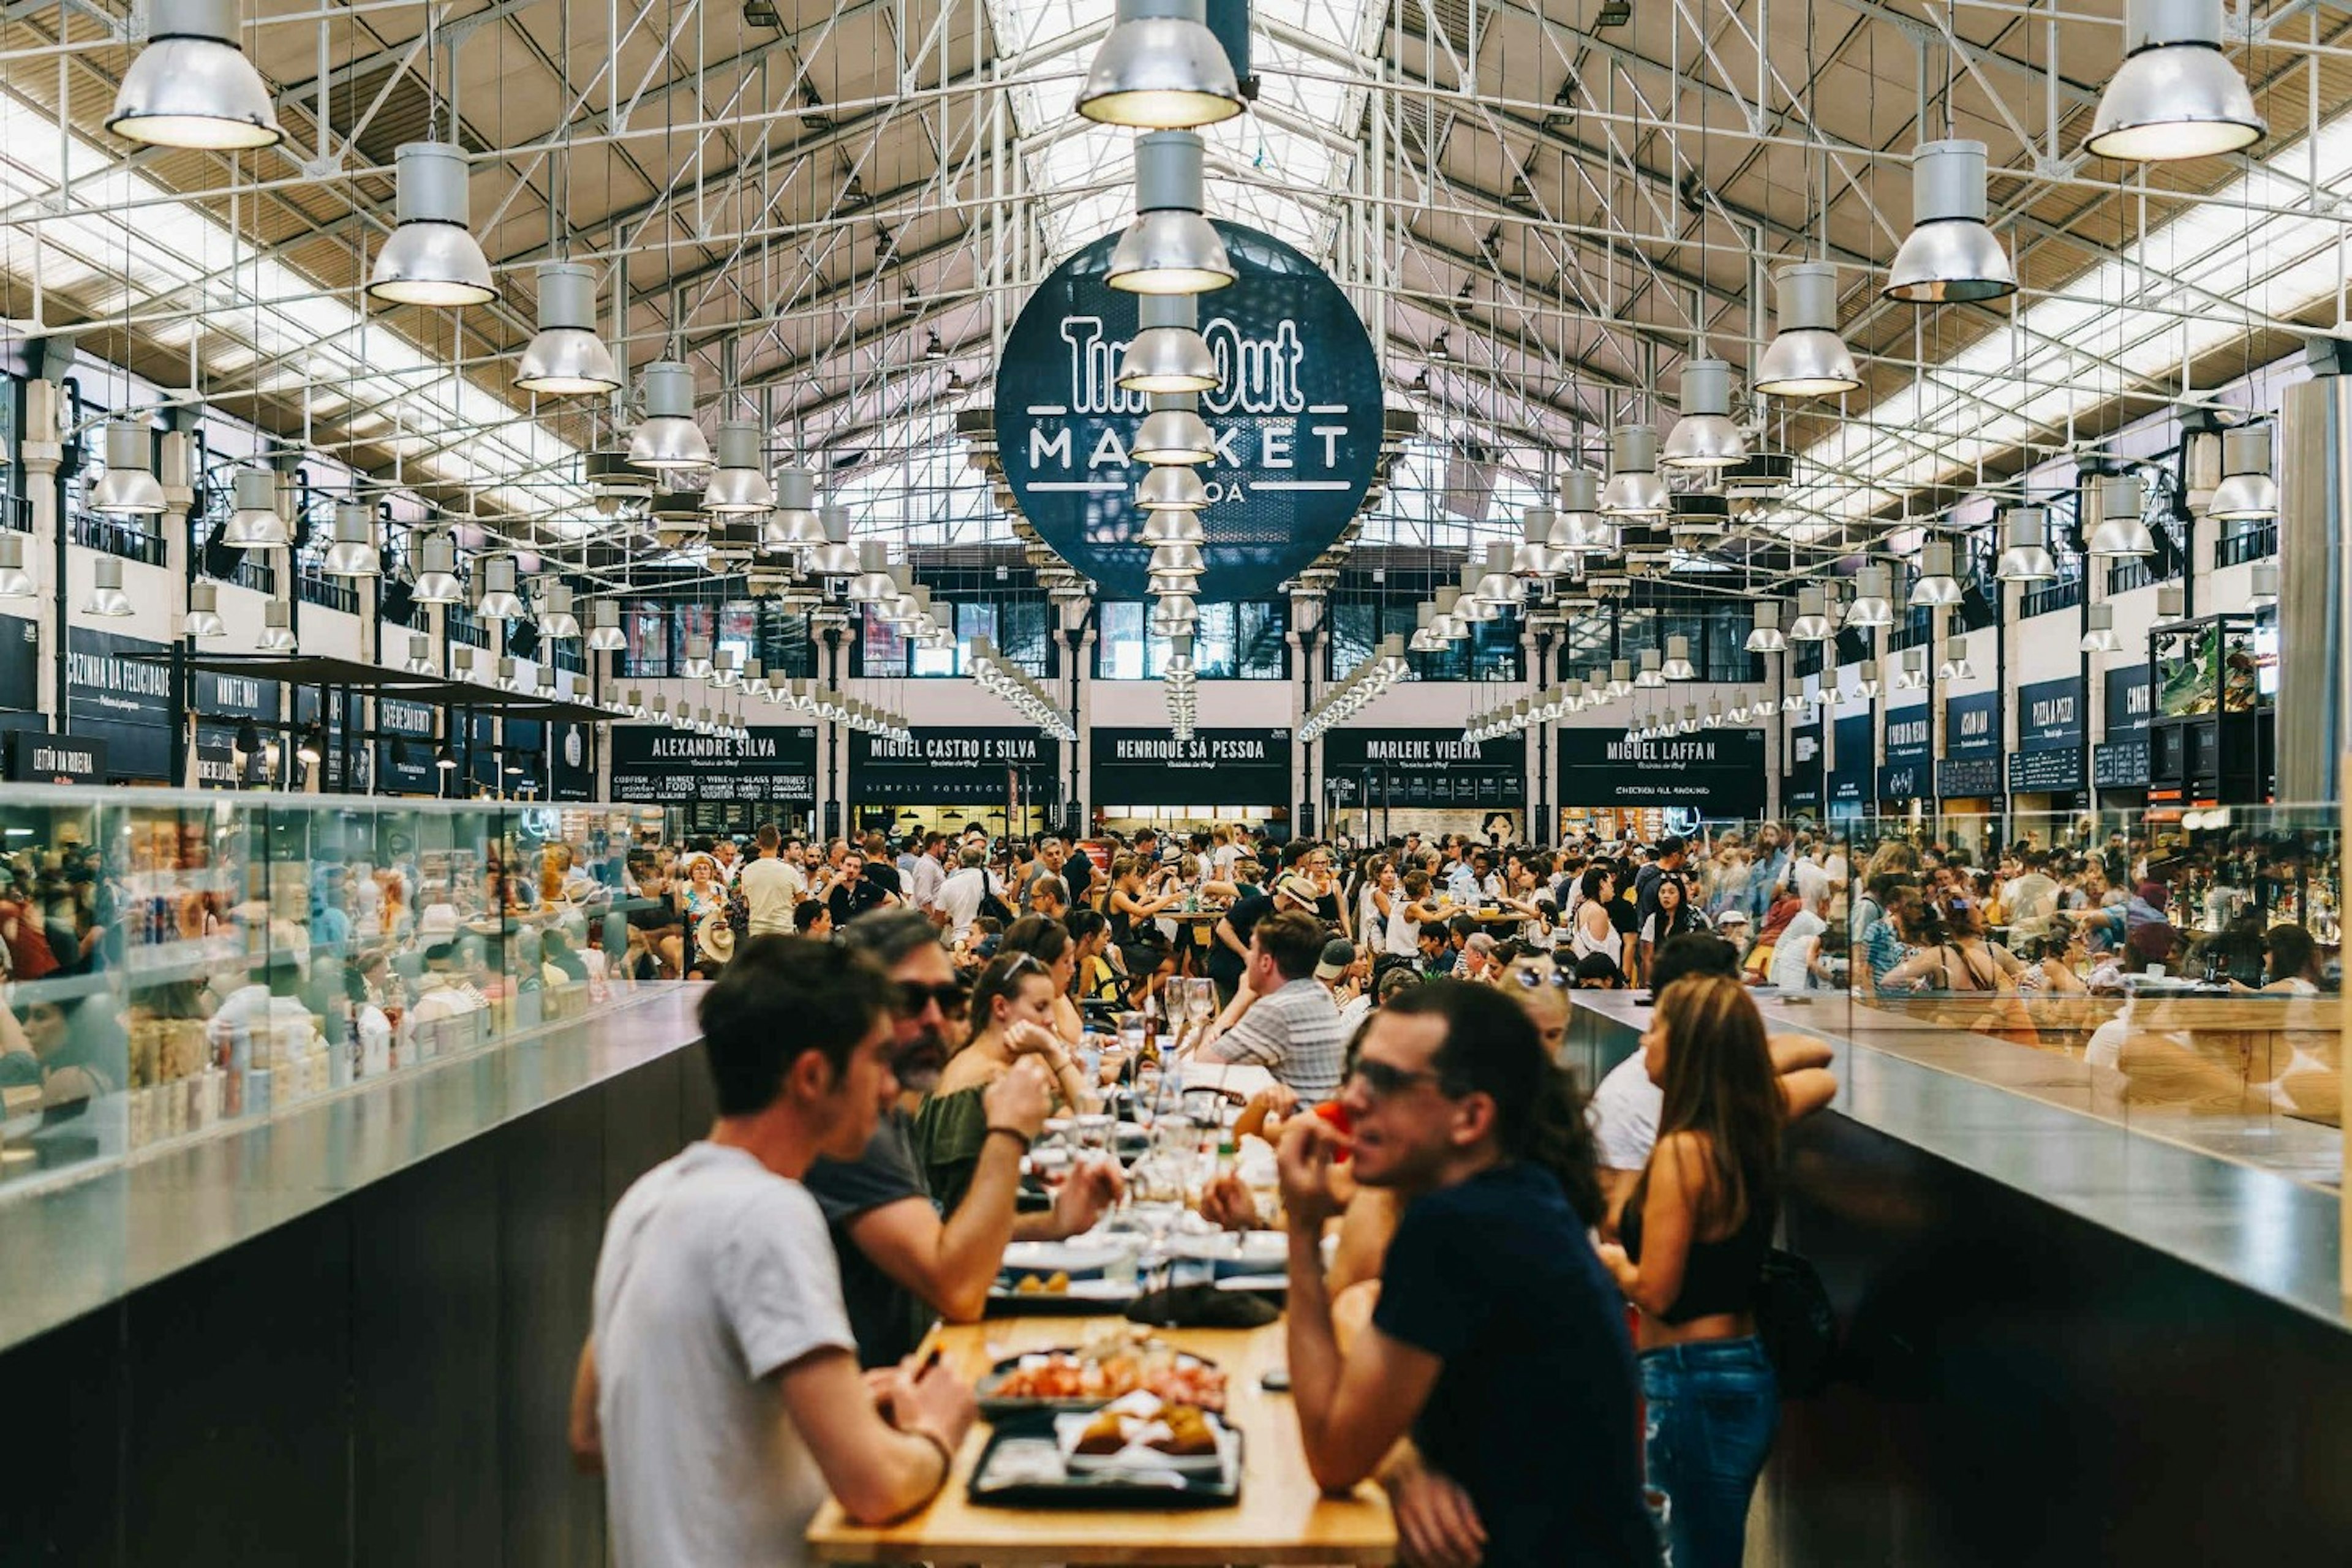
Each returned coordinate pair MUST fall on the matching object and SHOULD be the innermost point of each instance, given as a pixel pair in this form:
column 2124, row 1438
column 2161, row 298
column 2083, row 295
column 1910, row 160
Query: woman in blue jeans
column 1694, row 1231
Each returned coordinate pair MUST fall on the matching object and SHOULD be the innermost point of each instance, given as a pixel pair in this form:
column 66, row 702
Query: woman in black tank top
column 1696, row 1232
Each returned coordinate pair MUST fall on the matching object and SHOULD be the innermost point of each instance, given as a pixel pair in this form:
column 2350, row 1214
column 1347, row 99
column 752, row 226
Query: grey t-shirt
column 715, row 1274
column 890, row 1320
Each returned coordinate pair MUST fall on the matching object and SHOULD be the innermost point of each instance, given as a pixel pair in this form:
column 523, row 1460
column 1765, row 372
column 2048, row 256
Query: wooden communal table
column 1281, row 1517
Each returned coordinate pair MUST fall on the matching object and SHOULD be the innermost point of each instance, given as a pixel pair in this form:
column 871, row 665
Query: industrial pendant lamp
column 1171, row 526
column 873, row 586
column 1174, row 432
column 1653, row 672
column 1473, row 605
column 1578, row 527
column 836, row 557
column 2176, row 95
column 1949, row 257
column 15, row 583
column 726, row 668
column 1678, row 665
column 420, row 659
column 128, row 486
column 1170, row 248
column 1171, row 487
column 106, row 595
column 2247, row 492
column 1812, row 623
column 1765, row 635
column 354, row 552
column 1167, row 353
column 2099, row 629
column 1160, row 70
column 566, row 358
column 793, row 525
column 501, row 601
column 2025, row 548
column 432, row 258
column 1635, row 489
column 254, row 522
column 556, row 618
column 436, row 571
column 1177, row 560
column 203, row 619
column 1866, row 680
column 1911, row 670
column 604, row 633
column 736, row 483
column 276, row 627
column 1794, row 702
column 2121, row 531
column 2262, row 590
column 1954, row 664
column 192, row 85
column 1533, row 556
column 1497, row 585
column 667, row 436
column 1704, row 437
column 695, row 665
column 1935, row 585
column 1806, row 358
column 1872, row 606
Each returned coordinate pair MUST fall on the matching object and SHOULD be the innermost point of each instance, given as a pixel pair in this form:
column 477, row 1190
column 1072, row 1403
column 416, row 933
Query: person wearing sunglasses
column 1491, row 1298
column 903, row 1264
column 1014, row 1000
column 1541, row 988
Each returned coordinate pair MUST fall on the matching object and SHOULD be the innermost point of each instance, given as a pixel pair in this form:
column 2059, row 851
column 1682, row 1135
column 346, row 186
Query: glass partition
column 181, row 961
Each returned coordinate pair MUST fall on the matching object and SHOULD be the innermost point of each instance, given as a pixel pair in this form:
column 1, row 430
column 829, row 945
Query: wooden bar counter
column 1282, row 1517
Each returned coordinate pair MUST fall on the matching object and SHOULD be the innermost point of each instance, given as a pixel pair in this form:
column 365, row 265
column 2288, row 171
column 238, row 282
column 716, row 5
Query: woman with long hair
column 1048, row 942
column 1013, row 1011
column 1959, row 957
column 1675, row 916
column 1595, row 932
column 1696, row 1227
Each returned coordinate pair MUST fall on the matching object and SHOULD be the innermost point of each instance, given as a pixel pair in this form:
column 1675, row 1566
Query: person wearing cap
column 1342, row 970
column 1292, row 1026
column 1229, row 951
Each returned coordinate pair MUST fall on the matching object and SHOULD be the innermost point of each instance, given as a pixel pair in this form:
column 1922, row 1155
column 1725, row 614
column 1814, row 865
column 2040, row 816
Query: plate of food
column 1059, row 1287
column 1144, row 1431
column 1111, row 1365
column 1031, row 1461
column 1074, row 1259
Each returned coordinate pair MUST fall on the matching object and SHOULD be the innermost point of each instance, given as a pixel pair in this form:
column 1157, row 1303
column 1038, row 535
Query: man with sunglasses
column 1499, row 1345
column 902, row 1264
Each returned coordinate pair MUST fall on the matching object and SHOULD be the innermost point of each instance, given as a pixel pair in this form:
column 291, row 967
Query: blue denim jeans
column 1712, row 1408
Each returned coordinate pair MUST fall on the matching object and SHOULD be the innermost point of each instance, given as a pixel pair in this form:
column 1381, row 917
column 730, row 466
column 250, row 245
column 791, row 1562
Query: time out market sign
column 1297, row 415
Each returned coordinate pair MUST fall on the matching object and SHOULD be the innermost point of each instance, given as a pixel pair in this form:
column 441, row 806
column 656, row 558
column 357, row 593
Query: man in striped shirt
column 1292, row 1028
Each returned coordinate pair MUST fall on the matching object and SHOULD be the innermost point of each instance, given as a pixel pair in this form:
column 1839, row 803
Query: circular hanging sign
column 1296, row 415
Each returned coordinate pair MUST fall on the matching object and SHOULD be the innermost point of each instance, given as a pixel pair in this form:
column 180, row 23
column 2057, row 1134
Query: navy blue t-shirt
column 1534, row 1412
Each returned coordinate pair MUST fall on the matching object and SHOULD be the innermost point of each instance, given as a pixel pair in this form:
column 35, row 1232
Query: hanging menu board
column 1418, row 769
column 952, row 767
column 122, row 700
column 2049, row 754
column 1211, row 767
column 1971, row 767
column 2120, row 759
column 1715, row 774
column 1907, row 773
column 774, row 764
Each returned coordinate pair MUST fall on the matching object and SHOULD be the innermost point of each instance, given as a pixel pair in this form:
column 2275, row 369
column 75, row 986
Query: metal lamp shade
column 1653, row 672
column 1170, row 248
column 253, row 520
column 15, row 581
column 556, row 618
column 276, row 627
column 106, row 595
column 2247, row 493
column 667, row 438
column 1949, row 254
column 432, row 258
column 1937, row 585
column 2176, row 95
column 566, row 358
column 1812, row 623
column 1183, row 559
column 737, row 485
column 1173, row 435
column 203, row 619
column 1765, row 635
column 192, row 86
column 2263, row 589
column 500, row 601
column 1173, row 527
column 1533, row 556
column 1160, row 70
column 604, row 633
column 1171, row 487
column 1678, row 665
column 795, row 524
column 2099, row 629
column 436, row 571
column 1704, row 435
column 1872, row 604
column 1167, row 353
column 836, row 557
column 354, row 552
column 128, row 486
column 874, row 585
column 1806, row 358
column 1576, row 527
column 2122, row 530
column 1635, row 489
column 2025, row 553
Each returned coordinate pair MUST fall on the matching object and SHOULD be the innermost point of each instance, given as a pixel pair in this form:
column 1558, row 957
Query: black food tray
column 1099, row 1489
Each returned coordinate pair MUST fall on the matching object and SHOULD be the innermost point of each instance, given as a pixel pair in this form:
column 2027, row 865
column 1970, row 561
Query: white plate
column 1254, row 1282
column 1069, row 1426
column 1250, row 1251
column 1071, row 1258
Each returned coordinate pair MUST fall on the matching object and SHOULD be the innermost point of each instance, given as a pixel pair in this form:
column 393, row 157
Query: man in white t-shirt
column 1796, row 956
column 719, row 1390
column 770, row 887
column 960, row 894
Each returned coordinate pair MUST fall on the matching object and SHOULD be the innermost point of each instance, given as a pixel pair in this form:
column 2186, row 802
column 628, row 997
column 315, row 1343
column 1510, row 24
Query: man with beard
column 902, row 1264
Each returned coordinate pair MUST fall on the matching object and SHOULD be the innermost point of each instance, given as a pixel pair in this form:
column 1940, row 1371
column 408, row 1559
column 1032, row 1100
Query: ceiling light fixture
column 736, row 483
column 566, row 358
column 254, row 522
column 2263, row 589
column 1806, row 357
column 556, row 618
column 2247, row 493
column 604, row 633
column 1873, row 598
column 436, row 571
column 1160, row 69
column 2176, row 95
column 354, row 552
column 2122, row 529
column 128, row 486
column 1765, row 635
column 1167, row 353
column 2025, row 547
column 1171, row 486
column 1578, row 527
column 432, row 258
column 1635, row 489
column 1170, row 248
column 1703, row 436
column 1174, row 432
column 1935, row 584
column 2099, row 629
column 667, row 436
column 1949, row 256
column 106, row 595
column 192, row 85
column 204, row 612
column 1677, row 665
column 15, row 583
column 420, row 657
column 1812, row 623
column 276, row 627
column 501, row 601
column 795, row 524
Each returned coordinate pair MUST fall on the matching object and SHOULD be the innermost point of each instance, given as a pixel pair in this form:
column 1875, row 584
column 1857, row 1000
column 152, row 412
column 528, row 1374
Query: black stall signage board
column 20, row 664
column 1414, row 769
column 218, row 766
column 1910, row 734
column 2056, row 769
column 403, row 758
column 35, row 757
column 1968, row 778
column 572, row 762
column 1803, row 788
column 1212, row 767
column 775, row 765
column 223, row 696
column 2122, row 763
column 343, row 709
column 122, row 700
column 1717, row 774
column 1856, row 760
column 1972, row 730
column 2050, row 717
column 952, row 767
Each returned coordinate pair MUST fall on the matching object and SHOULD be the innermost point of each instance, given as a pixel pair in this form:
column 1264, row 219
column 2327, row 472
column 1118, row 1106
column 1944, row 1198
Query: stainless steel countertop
column 2033, row 1121
column 69, row 1250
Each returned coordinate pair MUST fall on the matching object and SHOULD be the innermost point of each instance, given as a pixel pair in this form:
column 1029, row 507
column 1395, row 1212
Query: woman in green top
column 1012, row 1012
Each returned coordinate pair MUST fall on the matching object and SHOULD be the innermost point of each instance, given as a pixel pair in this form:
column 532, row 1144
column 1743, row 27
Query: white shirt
column 960, row 897
column 1794, row 952
column 771, row 888
column 1624, row 1115
column 923, row 883
column 716, row 1273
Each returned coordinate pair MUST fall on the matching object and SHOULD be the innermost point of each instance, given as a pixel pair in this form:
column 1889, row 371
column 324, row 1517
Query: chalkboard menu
column 1717, row 773
column 1418, row 769
column 1968, row 778
column 122, row 700
column 953, row 767
column 1212, row 767
column 2056, row 769
column 1856, row 759
column 658, row 765
column 2121, row 760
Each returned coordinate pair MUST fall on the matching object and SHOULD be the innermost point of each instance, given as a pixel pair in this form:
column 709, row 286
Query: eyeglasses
column 1381, row 1080
column 1532, row 977
column 914, row 997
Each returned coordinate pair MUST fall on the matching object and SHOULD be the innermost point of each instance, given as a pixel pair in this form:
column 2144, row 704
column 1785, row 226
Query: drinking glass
column 1204, row 999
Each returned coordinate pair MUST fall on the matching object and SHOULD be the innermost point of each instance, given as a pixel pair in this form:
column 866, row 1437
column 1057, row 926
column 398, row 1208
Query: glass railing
column 2176, row 972
column 184, row 962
